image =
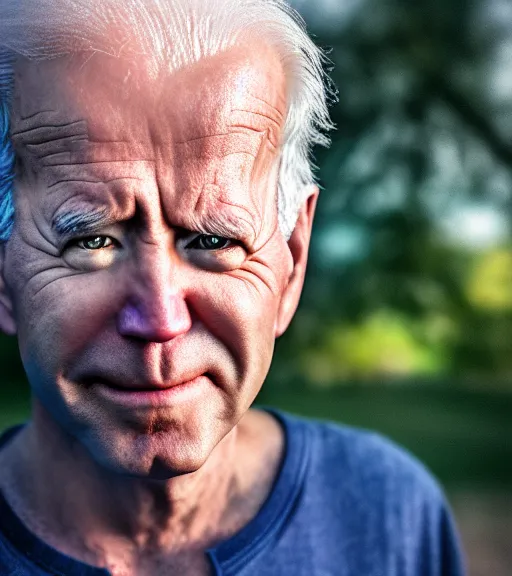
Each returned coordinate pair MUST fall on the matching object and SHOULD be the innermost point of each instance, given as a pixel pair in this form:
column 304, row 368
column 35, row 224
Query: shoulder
column 363, row 489
column 364, row 460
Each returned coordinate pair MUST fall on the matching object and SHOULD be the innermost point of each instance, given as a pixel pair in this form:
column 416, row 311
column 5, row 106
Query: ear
column 298, row 245
column 7, row 321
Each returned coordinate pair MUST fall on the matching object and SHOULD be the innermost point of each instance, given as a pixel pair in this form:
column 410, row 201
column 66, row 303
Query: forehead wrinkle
column 87, row 176
column 33, row 133
column 87, row 151
column 253, row 112
column 84, row 181
column 34, row 115
column 245, row 111
column 34, row 144
column 268, row 105
column 92, row 162
column 268, row 133
column 221, row 143
column 42, row 152
column 80, row 148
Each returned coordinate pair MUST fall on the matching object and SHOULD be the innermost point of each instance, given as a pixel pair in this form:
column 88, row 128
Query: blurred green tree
column 413, row 224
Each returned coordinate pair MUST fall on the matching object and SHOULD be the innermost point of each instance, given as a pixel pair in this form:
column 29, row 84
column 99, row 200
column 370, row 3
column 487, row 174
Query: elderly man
column 156, row 208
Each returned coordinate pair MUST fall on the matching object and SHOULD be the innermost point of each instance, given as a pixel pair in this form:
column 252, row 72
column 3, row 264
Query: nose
column 156, row 309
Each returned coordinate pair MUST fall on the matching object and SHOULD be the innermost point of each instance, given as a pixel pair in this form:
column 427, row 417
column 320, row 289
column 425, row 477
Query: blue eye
column 95, row 242
column 209, row 242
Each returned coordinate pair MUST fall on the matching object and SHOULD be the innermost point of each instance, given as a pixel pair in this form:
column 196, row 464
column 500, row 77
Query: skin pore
column 145, row 256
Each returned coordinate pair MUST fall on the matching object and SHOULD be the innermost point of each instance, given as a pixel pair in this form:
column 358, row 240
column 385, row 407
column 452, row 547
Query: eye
column 95, row 251
column 95, row 242
column 209, row 242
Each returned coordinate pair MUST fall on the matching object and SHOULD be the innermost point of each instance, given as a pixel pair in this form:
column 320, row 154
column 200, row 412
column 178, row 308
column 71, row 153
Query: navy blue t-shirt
column 345, row 503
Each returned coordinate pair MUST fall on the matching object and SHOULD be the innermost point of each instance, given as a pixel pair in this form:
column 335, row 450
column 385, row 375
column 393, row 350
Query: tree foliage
column 400, row 281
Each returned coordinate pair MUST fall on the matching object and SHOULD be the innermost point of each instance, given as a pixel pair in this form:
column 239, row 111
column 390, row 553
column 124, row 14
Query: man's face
column 146, row 270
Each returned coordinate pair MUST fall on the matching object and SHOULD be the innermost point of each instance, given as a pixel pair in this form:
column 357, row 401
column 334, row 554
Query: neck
column 50, row 480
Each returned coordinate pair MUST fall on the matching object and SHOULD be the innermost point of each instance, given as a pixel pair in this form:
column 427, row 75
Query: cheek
column 242, row 307
column 239, row 313
column 61, row 318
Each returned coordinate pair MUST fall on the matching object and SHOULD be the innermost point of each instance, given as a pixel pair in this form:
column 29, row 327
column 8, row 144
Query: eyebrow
column 79, row 221
column 230, row 226
column 84, row 221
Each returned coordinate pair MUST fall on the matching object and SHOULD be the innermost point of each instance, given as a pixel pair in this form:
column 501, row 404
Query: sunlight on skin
column 151, row 195
column 111, row 277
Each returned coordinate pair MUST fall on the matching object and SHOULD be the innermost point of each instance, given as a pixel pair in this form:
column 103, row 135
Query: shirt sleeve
column 438, row 550
column 450, row 552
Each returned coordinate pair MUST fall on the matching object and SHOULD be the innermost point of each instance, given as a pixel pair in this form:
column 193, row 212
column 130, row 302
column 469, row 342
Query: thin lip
column 153, row 397
column 136, row 387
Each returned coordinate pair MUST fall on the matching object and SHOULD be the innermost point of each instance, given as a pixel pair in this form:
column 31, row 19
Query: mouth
column 151, row 396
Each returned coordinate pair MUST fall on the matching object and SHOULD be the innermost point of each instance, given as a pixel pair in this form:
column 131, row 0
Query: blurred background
column 405, row 325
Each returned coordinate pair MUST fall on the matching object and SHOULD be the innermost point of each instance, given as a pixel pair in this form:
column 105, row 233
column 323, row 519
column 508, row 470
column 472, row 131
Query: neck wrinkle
column 50, row 480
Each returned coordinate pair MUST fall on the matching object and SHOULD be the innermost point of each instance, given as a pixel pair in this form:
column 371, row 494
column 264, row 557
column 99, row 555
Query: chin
column 155, row 444
column 159, row 453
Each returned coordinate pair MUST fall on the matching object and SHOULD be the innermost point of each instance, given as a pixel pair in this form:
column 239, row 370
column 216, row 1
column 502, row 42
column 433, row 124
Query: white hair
column 173, row 34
